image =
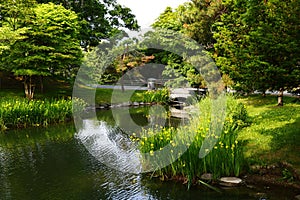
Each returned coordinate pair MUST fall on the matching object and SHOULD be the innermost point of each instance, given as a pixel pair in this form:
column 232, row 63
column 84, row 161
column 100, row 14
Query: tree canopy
column 194, row 19
column 255, row 43
column 258, row 44
column 49, row 44
column 100, row 19
column 44, row 37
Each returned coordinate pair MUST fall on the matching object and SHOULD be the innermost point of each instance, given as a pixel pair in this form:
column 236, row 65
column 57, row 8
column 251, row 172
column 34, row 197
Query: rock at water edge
column 230, row 181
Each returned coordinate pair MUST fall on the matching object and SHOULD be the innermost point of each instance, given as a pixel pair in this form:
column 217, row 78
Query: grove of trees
column 255, row 43
column 47, row 38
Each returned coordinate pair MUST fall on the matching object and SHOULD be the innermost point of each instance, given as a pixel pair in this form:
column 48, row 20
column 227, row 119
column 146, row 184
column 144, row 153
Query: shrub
column 2, row 125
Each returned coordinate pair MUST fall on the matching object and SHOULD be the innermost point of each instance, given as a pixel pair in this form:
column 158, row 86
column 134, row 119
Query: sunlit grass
column 275, row 132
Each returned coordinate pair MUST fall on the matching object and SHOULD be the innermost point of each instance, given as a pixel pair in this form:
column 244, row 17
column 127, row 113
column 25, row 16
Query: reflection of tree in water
column 29, row 136
column 141, row 116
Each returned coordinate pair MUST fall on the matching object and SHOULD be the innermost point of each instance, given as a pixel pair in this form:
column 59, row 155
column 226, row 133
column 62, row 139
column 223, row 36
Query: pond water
column 52, row 163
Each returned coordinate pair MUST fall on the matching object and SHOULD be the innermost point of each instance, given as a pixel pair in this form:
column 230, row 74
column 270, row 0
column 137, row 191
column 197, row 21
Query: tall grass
column 19, row 112
column 225, row 158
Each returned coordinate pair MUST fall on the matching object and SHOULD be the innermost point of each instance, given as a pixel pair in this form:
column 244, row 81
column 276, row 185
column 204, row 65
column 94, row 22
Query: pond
column 52, row 163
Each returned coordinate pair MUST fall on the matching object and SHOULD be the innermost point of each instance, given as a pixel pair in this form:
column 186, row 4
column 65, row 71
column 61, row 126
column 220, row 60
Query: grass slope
column 274, row 135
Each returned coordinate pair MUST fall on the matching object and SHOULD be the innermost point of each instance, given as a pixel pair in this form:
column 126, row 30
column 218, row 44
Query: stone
column 206, row 177
column 230, row 181
column 179, row 113
column 125, row 104
column 135, row 104
column 297, row 197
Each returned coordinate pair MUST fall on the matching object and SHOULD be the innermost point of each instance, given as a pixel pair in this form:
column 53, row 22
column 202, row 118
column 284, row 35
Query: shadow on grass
column 286, row 136
column 51, row 89
column 284, row 142
column 270, row 100
column 274, row 134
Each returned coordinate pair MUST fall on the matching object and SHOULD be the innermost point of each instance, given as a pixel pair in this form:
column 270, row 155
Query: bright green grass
column 105, row 95
column 275, row 131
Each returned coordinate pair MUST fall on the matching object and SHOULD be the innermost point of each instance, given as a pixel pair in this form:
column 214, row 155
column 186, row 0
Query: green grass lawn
column 274, row 134
column 105, row 95
column 58, row 89
column 108, row 96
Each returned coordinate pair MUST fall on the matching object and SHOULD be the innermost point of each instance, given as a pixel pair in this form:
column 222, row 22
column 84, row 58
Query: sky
column 146, row 11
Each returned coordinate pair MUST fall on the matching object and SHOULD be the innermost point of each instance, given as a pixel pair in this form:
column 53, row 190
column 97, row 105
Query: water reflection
column 141, row 117
column 110, row 146
column 49, row 164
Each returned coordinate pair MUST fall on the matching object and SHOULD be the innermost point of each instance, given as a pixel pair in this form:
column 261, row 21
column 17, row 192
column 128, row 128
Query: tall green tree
column 198, row 18
column 258, row 44
column 169, row 19
column 11, row 28
column 50, row 46
column 194, row 19
column 100, row 19
column 8, row 36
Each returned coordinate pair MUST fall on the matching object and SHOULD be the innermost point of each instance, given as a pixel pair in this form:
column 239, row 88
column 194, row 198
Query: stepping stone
column 230, row 181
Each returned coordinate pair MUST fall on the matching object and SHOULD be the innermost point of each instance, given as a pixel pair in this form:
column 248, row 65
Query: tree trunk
column 280, row 97
column 29, row 87
column 122, row 82
column 41, row 84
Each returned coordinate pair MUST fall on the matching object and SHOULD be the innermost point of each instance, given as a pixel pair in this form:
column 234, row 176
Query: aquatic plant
column 224, row 159
column 20, row 112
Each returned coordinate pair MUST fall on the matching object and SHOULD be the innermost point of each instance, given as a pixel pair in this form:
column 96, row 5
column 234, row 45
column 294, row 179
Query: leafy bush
column 2, row 125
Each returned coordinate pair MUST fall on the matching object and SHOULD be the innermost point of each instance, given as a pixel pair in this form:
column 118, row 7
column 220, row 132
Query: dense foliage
column 194, row 19
column 254, row 43
column 99, row 19
column 258, row 44
column 49, row 45
column 45, row 38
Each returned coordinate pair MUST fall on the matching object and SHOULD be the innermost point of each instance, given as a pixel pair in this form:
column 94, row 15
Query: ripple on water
column 110, row 147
